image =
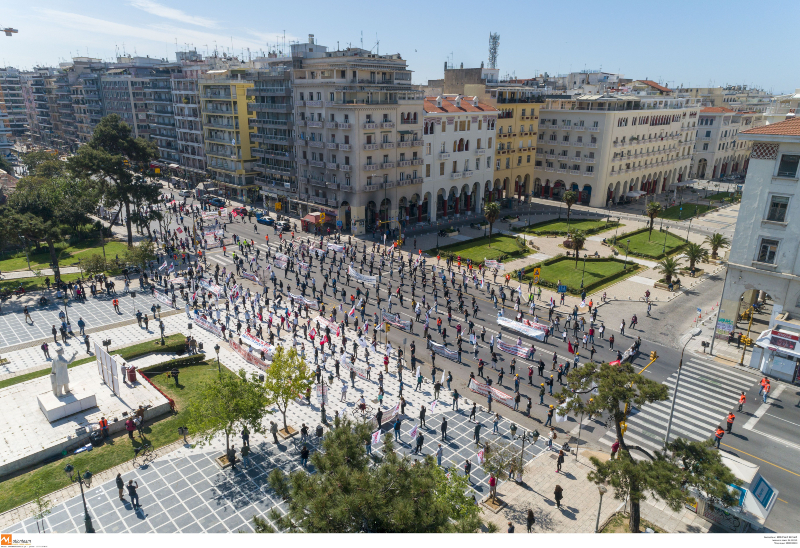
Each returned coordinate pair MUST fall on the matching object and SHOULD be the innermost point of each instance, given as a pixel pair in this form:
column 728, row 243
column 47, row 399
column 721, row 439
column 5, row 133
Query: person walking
column 397, row 430
column 549, row 420
column 742, row 400
column 444, row 429
column 559, row 461
column 121, row 487
column 614, row 449
column 420, row 440
column 304, row 456
column 273, row 429
column 439, row 452
column 731, row 418
column 132, row 487
column 530, row 520
column 767, row 388
column 611, row 342
column 558, row 494
column 422, row 416
column 477, row 435
column 472, row 412
column 467, row 470
column 489, row 401
column 46, row 350
column 718, row 436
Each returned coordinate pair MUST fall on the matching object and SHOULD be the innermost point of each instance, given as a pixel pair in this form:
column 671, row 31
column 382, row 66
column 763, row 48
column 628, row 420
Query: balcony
column 330, row 125
column 344, row 167
column 314, row 104
column 550, row 156
column 316, row 163
column 588, row 173
column 550, row 169
column 331, row 165
column 302, row 161
column 416, row 143
column 309, row 123
column 341, row 125
column 540, row 154
column 416, row 181
column 594, row 129
column 300, row 122
column 387, row 125
column 370, row 167
column 370, row 125
column 370, row 188
column 302, row 180
column 387, row 165
column 561, row 170
column 444, row 155
column 417, row 161
column 480, row 151
column 404, row 144
column 387, row 145
column 575, row 171
column 301, row 142
column 456, row 175
column 591, row 145
column 331, row 146
column 579, row 128
column 343, row 146
column 316, row 200
column 404, row 163
column 371, row 146
column 589, row 160
column 316, row 144
column 269, row 107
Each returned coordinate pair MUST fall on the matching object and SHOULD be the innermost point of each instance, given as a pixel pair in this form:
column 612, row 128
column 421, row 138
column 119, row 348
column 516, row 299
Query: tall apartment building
column 185, row 90
column 764, row 258
column 12, row 102
column 6, row 132
column 459, row 134
column 613, row 147
column 356, row 112
column 740, row 98
column 782, row 107
column 161, row 115
column 272, row 132
column 35, row 95
column 718, row 150
column 83, row 78
column 226, row 132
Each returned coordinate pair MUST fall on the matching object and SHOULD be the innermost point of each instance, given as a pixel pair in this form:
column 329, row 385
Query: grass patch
column 599, row 272
column 18, row 490
column 650, row 247
column 720, row 196
column 68, row 254
column 560, row 228
column 36, row 283
column 619, row 524
column 172, row 343
column 503, row 246
column 689, row 211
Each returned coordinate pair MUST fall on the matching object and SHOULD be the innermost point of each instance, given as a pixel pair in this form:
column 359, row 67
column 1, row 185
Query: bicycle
column 143, row 454
column 363, row 413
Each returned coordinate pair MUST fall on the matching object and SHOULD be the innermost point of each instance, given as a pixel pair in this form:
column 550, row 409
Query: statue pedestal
column 57, row 408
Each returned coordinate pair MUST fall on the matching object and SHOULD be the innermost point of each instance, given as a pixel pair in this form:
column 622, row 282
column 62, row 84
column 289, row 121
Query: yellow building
column 516, row 135
column 226, row 133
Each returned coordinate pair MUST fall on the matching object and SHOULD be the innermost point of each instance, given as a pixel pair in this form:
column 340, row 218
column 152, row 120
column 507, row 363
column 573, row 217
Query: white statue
column 59, row 377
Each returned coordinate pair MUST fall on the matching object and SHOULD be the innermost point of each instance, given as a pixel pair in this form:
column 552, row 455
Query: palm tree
column 694, row 253
column 715, row 242
column 491, row 211
column 653, row 210
column 669, row 267
column 570, row 198
column 578, row 238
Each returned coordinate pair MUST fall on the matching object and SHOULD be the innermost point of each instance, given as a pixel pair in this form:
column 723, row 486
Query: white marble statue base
column 57, row 408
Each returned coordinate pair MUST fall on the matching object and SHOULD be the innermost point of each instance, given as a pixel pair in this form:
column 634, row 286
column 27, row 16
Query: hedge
column 587, row 288
column 615, row 242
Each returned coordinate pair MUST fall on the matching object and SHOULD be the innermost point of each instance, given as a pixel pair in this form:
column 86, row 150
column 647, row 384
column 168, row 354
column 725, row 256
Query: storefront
column 776, row 354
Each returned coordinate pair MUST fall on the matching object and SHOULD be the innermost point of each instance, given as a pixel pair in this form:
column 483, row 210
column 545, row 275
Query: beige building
column 358, row 126
column 739, row 98
column 718, row 151
column 459, row 135
column 613, row 147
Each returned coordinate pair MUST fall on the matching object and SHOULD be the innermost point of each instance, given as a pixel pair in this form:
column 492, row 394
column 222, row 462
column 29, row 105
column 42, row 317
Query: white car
column 185, row 193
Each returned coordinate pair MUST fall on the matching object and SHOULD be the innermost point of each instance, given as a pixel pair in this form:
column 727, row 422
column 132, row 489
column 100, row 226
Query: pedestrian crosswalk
column 707, row 393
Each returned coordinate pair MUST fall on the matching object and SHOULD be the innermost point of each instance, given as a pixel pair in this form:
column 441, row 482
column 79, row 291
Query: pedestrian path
column 707, row 393
column 20, row 274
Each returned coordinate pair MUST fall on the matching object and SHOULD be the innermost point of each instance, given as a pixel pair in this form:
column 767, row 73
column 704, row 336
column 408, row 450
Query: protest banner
column 520, row 351
column 210, row 286
column 322, row 393
column 250, row 276
column 258, row 343
column 497, row 395
column 443, row 351
column 164, row 299
column 249, row 357
column 207, row 325
column 533, row 332
column 388, row 418
column 347, row 366
column 394, row 319
column 491, row 263
column 280, row 260
column 366, row 280
column 304, row 268
column 324, row 322
column 336, row 247
column 312, row 303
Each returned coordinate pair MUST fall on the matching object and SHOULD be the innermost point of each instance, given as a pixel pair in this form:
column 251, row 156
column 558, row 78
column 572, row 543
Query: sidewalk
column 20, row 274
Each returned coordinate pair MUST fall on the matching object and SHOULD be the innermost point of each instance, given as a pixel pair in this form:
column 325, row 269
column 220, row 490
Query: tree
column 397, row 495
column 715, row 242
column 111, row 155
column 225, row 404
column 44, row 506
column 501, row 457
column 491, row 212
column 578, row 238
column 5, row 165
column 141, row 255
column 616, row 389
column 653, row 211
column 94, row 264
column 48, row 209
column 570, row 199
column 32, row 160
column 669, row 267
column 694, row 253
column 287, row 379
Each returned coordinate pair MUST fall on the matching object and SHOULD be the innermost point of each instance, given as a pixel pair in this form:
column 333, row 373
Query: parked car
column 217, row 202
column 240, row 210
column 283, row 226
column 185, row 193
column 264, row 219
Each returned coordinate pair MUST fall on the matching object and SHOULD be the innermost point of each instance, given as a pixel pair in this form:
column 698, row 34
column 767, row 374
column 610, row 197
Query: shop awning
column 782, row 342
column 635, row 194
column 309, row 218
column 682, row 183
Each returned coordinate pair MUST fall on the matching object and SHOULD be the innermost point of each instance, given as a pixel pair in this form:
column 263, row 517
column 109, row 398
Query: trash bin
column 96, row 437
column 200, row 346
column 132, row 375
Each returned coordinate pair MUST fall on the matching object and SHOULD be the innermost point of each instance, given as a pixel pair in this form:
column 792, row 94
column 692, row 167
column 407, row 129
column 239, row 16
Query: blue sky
column 679, row 42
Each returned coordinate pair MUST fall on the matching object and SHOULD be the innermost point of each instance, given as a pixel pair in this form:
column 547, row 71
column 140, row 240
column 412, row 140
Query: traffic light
column 653, row 356
column 623, row 427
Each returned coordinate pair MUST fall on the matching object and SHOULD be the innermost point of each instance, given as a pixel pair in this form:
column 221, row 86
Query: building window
column 441, row 168
column 428, row 148
column 767, row 251
column 777, row 209
column 427, row 170
column 498, row 164
column 788, row 165
column 529, row 159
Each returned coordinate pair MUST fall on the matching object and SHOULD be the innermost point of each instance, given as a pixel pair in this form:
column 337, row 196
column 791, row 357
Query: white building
column 782, row 107
column 459, row 133
column 765, row 259
column 718, row 150
column 613, row 147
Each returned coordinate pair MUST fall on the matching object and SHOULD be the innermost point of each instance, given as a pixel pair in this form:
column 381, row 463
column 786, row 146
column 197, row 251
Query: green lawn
column 556, row 225
column 719, row 196
column 649, row 246
column 673, row 212
column 172, row 343
column 569, row 274
column 37, row 282
column 478, row 249
column 20, row 489
column 67, row 254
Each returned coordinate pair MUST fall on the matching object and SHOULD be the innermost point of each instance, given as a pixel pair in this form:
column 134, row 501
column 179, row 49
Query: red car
column 240, row 210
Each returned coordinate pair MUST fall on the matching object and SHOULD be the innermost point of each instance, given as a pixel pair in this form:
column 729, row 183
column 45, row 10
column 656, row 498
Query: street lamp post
column 133, row 305
column 689, row 229
column 216, row 349
column 664, row 251
column 603, row 490
column 158, row 309
column 616, row 230
column 85, row 479
column 693, row 334
column 749, row 326
column 584, row 269
column 65, row 300
column 627, row 249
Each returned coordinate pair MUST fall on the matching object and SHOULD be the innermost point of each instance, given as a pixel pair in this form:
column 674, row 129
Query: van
column 185, row 193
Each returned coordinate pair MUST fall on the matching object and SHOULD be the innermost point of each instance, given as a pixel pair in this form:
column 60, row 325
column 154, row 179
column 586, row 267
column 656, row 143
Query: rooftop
column 449, row 105
column 655, row 85
column 716, row 110
column 787, row 127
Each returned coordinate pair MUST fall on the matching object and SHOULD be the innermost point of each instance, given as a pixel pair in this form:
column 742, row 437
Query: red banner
column 249, row 357
column 497, row 395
